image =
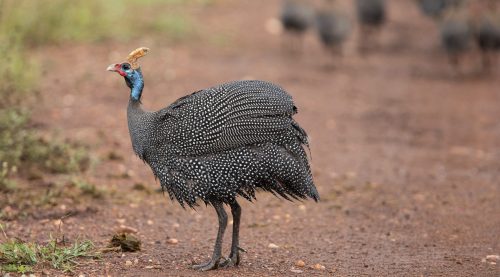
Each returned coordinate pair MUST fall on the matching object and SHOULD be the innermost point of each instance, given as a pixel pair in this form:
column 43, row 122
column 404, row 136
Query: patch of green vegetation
column 27, row 201
column 25, row 151
column 20, row 257
column 6, row 184
column 175, row 26
column 87, row 188
column 37, row 23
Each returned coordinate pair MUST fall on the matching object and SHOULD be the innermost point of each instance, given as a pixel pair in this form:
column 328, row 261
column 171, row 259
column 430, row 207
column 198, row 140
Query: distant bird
column 333, row 27
column 432, row 8
column 488, row 36
column 456, row 34
column 296, row 18
column 436, row 8
column 216, row 144
column 371, row 16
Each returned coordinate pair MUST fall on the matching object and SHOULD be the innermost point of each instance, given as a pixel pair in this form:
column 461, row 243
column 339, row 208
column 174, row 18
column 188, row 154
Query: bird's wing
column 232, row 115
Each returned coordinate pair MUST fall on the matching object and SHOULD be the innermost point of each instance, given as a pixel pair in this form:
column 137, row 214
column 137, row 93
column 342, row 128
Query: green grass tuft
column 21, row 257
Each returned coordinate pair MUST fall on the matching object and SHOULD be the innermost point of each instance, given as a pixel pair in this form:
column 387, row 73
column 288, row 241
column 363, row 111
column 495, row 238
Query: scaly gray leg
column 234, row 256
column 216, row 256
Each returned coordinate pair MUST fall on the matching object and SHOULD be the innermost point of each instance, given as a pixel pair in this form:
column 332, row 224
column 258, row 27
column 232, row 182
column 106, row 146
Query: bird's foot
column 212, row 264
column 234, row 258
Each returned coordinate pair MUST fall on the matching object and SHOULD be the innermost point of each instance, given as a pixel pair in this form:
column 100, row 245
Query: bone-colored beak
column 111, row 67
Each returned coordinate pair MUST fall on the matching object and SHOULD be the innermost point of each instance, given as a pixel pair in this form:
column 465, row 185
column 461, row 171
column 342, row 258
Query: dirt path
column 405, row 157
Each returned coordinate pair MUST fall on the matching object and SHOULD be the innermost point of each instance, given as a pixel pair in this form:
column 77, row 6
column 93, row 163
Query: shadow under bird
column 219, row 143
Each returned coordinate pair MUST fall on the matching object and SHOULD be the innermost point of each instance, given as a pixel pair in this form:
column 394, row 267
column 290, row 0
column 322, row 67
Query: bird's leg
column 216, row 256
column 234, row 256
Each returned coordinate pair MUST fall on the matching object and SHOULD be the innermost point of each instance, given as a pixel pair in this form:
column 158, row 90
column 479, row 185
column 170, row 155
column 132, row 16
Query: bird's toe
column 212, row 264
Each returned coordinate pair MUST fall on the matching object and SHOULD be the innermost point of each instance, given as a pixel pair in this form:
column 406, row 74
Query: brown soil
column 405, row 153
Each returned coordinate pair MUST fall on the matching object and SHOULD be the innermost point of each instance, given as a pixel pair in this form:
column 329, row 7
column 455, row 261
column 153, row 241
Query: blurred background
column 399, row 97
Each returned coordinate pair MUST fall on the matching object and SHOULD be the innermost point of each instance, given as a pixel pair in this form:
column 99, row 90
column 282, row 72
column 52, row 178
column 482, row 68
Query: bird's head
column 131, row 72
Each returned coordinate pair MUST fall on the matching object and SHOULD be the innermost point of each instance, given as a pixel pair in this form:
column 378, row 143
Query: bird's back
column 295, row 16
column 488, row 33
column 432, row 8
column 333, row 27
column 371, row 12
column 456, row 32
column 230, row 140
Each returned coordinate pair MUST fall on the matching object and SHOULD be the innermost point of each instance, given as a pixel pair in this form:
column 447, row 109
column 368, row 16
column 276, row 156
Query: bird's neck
column 136, row 90
column 135, row 82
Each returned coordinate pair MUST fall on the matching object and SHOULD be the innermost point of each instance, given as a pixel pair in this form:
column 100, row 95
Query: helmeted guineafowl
column 436, row 8
column 296, row 17
column 456, row 33
column 488, row 34
column 333, row 27
column 220, row 143
column 371, row 16
column 432, row 8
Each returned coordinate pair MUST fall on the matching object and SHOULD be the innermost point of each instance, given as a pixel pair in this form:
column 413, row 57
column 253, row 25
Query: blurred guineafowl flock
column 219, row 143
column 463, row 26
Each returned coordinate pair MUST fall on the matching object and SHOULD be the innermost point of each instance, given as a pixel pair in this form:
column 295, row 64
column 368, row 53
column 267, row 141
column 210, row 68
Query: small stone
column 351, row 174
column 149, row 222
column 300, row 263
column 120, row 220
column 126, row 229
column 296, row 270
column 128, row 263
column 176, row 225
column 274, row 26
column 493, row 258
column 172, row 241
column 302, row 207
column 273, row 246
column 136, row 261
column 319, row 267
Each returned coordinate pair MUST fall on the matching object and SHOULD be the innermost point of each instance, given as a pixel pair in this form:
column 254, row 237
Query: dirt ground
column 405, row 153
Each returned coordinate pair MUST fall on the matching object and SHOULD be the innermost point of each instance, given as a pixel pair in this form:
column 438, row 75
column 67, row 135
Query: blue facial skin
column 134, row 81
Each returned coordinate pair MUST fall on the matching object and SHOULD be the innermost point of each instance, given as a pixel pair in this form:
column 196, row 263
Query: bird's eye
column 125, row 66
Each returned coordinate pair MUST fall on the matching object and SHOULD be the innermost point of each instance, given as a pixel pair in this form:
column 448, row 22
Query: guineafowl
column 296, row 17
column 371, row 17
column 432, row 8
column 456, row 33
column 333, row 27
column 488, row 35
column 436, row 8
column 219, row 143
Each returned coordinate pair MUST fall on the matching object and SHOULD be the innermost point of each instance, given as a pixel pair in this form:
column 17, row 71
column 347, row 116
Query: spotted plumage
column 217, row 143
